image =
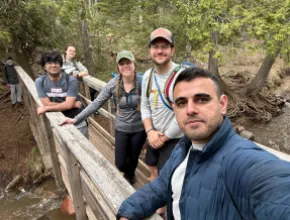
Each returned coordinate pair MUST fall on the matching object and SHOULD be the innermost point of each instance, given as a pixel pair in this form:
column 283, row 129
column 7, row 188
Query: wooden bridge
column 85, row 167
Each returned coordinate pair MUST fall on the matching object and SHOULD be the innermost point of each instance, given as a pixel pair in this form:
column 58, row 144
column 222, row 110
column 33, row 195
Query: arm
column 83, row 71
column 261, row 180
column 152, row 135
column 104, row 95
column 148, row 199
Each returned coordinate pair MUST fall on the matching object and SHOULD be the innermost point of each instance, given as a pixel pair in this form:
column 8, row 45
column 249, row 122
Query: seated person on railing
column 212, row 173
column 130, row 133
column 58, row 91
column 75, row 68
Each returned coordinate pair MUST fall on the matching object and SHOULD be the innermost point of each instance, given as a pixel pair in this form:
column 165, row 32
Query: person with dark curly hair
column 58, row 91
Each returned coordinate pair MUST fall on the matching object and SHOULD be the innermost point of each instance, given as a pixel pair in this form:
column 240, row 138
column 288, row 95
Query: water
column 42, row 204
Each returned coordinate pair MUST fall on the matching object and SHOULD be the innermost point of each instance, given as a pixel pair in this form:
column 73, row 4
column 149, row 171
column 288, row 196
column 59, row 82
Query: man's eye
column 202, row 100
column 180, row 104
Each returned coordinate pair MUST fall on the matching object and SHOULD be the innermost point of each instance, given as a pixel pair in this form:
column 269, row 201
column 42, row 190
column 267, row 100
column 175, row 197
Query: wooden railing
column 85, row 169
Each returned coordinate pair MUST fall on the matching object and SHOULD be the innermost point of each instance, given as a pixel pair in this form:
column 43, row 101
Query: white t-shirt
column 178, row 179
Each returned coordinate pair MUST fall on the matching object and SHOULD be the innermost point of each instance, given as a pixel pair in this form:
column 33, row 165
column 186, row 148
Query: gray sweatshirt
column 163, row 119
column 129, row 118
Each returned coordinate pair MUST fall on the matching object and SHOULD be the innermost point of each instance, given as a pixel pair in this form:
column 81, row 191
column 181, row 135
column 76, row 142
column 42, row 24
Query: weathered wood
column 53, row 154
column 101, row 110
column 102, row 131
column 94, row 83
column 96, row 201
column 75, row 183
column 87, row 91
column 111, row 121
column 90, row 213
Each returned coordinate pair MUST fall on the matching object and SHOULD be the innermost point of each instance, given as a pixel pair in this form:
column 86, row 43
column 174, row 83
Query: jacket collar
column 216, row 141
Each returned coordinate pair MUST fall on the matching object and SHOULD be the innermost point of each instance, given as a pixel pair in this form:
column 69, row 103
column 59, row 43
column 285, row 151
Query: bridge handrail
column 97, row 188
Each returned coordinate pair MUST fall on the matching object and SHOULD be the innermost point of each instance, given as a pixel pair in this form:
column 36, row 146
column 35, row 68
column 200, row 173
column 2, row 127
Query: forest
column 206, row 32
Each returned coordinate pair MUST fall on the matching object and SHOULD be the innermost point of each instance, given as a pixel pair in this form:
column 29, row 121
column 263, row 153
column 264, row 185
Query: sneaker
column 19, row 103
column 97, row 113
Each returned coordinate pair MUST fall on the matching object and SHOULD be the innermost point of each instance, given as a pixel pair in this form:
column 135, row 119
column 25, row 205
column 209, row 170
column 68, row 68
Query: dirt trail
column 16, row 139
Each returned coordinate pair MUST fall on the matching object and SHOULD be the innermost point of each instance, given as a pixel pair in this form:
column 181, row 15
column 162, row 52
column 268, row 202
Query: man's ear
column 223, row 102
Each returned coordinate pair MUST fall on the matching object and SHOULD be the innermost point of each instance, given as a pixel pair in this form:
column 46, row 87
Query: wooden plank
column 101, row 130
column 96, row 201
column 53, row 154
column 94, row 82
column 111, row 121
column 29, row 84
column 87, row 91
column 101, row 110
column 76, row 187
column 90, row 213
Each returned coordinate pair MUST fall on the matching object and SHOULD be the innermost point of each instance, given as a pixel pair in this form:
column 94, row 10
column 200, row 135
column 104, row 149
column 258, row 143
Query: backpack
column 167, row 100
column 139, row 77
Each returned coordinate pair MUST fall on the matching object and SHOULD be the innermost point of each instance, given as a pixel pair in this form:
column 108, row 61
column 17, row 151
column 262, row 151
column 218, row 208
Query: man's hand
column 154, row 139
column 77, row 104
column 41, row 110
column 68, row 121
column 8, row 86
column 164, row 138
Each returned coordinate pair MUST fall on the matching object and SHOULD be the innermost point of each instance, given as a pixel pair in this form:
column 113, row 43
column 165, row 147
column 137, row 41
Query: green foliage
column 113, row 25
column 236, row 21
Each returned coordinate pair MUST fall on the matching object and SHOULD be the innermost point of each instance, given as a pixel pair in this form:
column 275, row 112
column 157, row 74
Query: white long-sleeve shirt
column 163, row 119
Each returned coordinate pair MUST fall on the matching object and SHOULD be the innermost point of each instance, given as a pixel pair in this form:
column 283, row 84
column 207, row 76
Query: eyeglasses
column 160, row 47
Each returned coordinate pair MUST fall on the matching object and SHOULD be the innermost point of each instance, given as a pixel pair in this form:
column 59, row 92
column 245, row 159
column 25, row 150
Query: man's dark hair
column 53, row 56
column 9, row 58
column 192, row 73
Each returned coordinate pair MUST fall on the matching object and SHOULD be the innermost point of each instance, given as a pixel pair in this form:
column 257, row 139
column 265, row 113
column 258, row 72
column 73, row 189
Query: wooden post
column 75, row 184
column 53, row 154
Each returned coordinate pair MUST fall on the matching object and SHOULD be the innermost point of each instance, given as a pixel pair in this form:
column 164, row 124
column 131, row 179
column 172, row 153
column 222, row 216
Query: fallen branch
column 14, row 183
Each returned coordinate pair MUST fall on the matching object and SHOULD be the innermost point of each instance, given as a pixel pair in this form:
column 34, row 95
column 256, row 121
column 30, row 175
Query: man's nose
column 191, row 108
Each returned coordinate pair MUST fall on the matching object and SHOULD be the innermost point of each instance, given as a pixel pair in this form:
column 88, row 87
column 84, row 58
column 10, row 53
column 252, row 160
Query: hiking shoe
column 19, row 103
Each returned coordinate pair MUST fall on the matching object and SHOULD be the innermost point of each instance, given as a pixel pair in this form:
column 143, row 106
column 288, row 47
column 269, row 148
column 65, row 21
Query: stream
column 41, row 204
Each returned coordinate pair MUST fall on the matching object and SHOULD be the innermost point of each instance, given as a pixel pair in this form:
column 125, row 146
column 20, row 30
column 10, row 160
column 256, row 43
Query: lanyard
column 160, row 94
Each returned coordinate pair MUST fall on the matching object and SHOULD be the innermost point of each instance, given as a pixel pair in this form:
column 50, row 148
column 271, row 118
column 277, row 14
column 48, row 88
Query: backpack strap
column 149, row 85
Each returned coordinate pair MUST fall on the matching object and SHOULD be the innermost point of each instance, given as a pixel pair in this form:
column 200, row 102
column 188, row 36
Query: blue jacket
column 257, row 181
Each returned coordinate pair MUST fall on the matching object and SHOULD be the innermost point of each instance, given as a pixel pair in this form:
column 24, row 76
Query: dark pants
column 92, row 93
column 158, row 157
column 128, row 147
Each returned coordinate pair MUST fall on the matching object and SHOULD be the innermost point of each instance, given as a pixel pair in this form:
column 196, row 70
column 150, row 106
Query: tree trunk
column 256, row 85
column 87, row 48
column 213, row 64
